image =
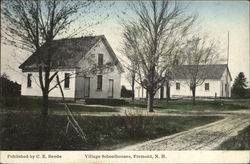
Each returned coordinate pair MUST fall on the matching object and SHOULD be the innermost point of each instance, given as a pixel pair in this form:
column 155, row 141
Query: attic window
column 29, row 80
column 66, row 81
column 100, row 59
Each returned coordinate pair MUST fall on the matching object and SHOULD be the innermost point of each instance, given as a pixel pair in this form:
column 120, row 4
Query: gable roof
column 214, row 71
column 66, row 53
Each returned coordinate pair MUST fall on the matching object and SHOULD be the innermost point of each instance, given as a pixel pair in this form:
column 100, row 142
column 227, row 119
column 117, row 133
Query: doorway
column 86, row 86
column 111, row 88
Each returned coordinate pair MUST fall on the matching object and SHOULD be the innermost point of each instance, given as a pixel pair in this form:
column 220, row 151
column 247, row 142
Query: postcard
column 124, row 82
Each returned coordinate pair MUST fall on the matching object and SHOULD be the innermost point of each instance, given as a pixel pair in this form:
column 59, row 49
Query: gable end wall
column 115, row 75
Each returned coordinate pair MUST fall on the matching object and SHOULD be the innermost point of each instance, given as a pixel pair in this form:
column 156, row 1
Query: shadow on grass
column 35, row 105
column 239, row 142
column 187, row 104
column 20, row 131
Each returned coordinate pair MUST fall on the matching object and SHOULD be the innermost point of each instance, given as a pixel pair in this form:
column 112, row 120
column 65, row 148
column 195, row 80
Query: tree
column 177, row 60
column 130, row 76
column 154, row 36
column 131, row 66
column 198, row 53
column 168, row 81
column 239, row 86
column 34, row 24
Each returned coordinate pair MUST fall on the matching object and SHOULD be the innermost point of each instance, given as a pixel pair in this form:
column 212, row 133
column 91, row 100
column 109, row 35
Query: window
column 100, row 59
column 206, row 86
column 178, row 86
column 66, row 81
column 29, row 80
column 99, row 82
column 176, row 62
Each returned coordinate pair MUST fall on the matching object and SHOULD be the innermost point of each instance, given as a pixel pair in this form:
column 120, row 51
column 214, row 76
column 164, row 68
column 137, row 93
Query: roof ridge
column 200, row 65
column 215, row 71
column 89, row 36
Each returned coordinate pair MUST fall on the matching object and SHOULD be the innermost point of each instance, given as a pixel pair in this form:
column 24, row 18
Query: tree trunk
column 193, row 92
column 46, row 91
column 167, row 91
column 44, row 128
column 133, row 87
column 45, row 108
column 150, row 101
column 162, row 92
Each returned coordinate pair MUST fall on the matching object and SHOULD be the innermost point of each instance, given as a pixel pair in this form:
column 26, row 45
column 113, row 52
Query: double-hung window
column 66, row 80
column 29, row 81
column 206, row 86
column 178, row 86
column 100, row 59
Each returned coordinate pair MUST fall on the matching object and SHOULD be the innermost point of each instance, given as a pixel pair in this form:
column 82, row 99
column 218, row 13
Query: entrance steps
column 80, row 101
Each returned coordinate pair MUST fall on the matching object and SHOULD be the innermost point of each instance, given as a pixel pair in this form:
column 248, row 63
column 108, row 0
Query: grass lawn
column 20, row 131
column 201, row 105
column 35, row 105
column 239, row 142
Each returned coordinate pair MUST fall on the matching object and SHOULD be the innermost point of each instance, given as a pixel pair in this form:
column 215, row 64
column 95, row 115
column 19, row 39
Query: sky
column 216, row 18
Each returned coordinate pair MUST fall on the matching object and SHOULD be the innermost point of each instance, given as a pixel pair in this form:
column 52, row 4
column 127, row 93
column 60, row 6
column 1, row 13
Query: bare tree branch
column 154, row 38
column 198, row 51
column 71, row 118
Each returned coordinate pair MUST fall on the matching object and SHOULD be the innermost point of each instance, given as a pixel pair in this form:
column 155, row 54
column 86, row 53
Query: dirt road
column 207, row 137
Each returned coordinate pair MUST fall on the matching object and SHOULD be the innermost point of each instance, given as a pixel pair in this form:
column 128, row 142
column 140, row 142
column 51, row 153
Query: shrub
column 9, row 88
column 113, row 102
column 137, row 123
column 247, row 95
column 126, row 93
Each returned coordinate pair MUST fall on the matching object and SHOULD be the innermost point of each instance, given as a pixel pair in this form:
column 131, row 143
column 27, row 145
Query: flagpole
column 227, row 86
column 227, row 47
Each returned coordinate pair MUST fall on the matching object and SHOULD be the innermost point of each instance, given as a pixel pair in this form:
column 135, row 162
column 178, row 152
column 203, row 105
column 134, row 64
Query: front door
column 111, row 88
column 86, row 87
